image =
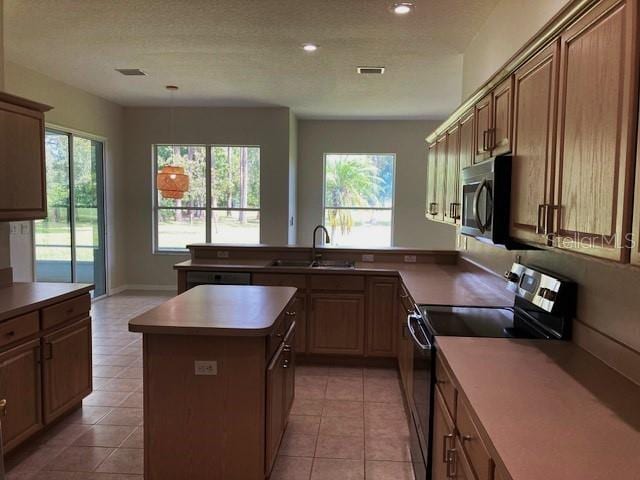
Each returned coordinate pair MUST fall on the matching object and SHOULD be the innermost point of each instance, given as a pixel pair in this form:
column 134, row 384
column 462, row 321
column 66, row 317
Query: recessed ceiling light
column 402, row 8
column 310, row 47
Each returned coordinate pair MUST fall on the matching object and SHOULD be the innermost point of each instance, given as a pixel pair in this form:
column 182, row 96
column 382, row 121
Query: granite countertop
column 20, row 298
column 548, row 409
column 222, row 310
column 461, row 284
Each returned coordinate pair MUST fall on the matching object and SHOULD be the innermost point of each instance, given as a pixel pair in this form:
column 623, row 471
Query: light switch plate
column 206, row 367
column 410, row 259
column 368, row 257
column 222, row 254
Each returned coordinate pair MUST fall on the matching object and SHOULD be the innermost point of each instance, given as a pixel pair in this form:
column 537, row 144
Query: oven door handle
column 476, row 206
column 425, row 347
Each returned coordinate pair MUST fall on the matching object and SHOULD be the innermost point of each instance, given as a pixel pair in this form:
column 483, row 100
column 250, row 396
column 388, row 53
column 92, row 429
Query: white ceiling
column 247, row 52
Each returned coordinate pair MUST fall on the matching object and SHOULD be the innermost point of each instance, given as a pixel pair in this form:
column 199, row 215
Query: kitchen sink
column 333, row 264
column 290, row 263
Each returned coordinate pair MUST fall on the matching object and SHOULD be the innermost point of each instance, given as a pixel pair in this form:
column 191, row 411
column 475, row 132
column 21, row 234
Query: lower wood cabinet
column 20, row 387
column 280, row 395
column 67, row 377
column 336, row 323
column 443, row 441
column 300, row 306
column 381, row 325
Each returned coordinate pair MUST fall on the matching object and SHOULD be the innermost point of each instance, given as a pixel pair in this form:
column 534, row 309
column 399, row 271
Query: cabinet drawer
column 18, row 328
column 69, row 309
column 448, row 390
column 280, row 330
column 472, row 445
column 337, row 282
column 280, row 280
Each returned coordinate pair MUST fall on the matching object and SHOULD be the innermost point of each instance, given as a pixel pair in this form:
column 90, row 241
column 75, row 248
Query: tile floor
column 346, row 423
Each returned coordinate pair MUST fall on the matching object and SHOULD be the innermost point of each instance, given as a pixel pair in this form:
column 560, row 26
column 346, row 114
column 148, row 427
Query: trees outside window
column 358, row 199
column 223, row 201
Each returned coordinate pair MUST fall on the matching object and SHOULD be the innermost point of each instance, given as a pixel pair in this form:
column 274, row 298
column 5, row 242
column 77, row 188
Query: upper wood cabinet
column 22, row 159
column 493, row 122
column 441, row 175
column 535, row 92
column 596, row 131
column 466, row 140
column 452, row 176
column 482, row 114
column 431, row 203
column 381, row 316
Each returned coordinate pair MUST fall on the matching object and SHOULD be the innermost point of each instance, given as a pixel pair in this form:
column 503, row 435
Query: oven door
column 422, row 389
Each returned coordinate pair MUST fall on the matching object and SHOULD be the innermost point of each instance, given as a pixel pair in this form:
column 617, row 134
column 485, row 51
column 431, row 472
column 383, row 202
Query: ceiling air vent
column 370, row 70
column 131, row 72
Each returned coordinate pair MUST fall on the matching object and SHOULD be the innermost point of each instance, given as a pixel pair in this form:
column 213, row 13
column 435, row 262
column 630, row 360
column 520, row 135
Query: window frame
column 208, row 209
column 393, row 198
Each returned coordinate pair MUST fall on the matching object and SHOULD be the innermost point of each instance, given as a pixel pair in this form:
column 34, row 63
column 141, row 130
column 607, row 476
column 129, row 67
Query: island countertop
column 217, row 310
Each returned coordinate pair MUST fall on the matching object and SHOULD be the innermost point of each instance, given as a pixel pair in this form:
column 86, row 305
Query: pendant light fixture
column 171, row 181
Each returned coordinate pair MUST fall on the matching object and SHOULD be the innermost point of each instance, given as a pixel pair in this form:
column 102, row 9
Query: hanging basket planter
column 172, row 182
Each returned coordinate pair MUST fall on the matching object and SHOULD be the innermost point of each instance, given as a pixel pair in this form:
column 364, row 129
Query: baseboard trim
column 144, row 287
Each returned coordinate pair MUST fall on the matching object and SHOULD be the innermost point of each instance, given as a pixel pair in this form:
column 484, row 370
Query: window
column 358, row 198
column 222, row 204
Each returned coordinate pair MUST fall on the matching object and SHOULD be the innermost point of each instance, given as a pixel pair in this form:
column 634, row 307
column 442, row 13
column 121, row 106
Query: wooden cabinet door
column 432, row 175
column 501, row 118
column 67, row 368
column 275, row 409
column 452, row 176
column 22, row 182
column 381, row 317
column 466, row 140
column 336, row 324
column 443, row 441
column 482, row 114
column 299, row 305
column 635, row 239
column 441, row 176
column 20, row 386
column 596, row 134
column 536, row 93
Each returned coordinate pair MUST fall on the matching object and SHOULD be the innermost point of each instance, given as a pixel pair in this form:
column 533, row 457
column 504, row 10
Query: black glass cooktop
column 472, row 322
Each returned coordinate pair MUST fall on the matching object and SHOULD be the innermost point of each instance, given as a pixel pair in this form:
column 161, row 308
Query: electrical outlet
column 222, row 254
column 368, row 257
column 410, row 259
column 14, row 228
column 24, row 228
column 206, row 367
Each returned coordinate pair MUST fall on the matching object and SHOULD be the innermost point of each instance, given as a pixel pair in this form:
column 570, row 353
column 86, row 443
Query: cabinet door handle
column 492, row 138
column 540, row 229
column 452, row 463
column 555, row 218
column 285, row 364
column 484, row 141
column 3, row 408
column 445, row 446
column 48, row 351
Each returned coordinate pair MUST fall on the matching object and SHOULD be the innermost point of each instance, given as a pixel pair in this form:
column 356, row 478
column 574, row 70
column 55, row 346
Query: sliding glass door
column 70, row 242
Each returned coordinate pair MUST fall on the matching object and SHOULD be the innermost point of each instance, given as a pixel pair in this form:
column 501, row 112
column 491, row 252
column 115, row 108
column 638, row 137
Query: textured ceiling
column 247, row 52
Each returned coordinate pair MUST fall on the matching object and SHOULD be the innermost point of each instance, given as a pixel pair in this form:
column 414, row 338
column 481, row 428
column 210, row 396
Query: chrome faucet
column 314, row 256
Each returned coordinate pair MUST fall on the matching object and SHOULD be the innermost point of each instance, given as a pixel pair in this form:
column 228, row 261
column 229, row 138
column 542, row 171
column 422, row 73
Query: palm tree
column 349, row 183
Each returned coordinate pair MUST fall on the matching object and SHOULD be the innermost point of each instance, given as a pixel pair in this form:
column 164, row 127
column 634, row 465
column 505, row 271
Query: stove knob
column 511, row 276
column 547, row 294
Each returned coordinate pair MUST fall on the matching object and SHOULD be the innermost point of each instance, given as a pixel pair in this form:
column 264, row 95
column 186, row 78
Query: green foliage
column 356, row 181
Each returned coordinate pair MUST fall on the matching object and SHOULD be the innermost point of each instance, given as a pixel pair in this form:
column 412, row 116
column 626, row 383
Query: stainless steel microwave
column 486, row 194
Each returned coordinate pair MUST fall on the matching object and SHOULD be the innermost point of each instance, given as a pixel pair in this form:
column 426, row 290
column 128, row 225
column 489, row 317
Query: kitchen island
column 218, row 381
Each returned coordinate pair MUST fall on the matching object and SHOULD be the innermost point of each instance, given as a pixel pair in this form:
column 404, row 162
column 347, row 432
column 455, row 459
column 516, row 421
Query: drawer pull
column 290, row 314
column 69, row 311
column 467, row 438
column 10, row 334
column 441, row 382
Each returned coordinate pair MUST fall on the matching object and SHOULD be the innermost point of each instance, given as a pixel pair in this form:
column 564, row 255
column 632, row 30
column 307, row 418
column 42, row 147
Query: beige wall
column 508, row 27
column 77, row 110
column 404, row 138
column 266, row 127
column 293, row 177
column 5, row 258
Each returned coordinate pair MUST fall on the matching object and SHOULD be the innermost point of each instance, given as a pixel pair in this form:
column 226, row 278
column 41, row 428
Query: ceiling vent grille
column 131, row 72
column 370, row 70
